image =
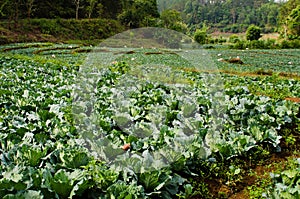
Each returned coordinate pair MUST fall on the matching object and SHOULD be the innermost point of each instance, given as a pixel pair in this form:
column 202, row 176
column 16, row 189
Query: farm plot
column 268, row 61
column 151, row 144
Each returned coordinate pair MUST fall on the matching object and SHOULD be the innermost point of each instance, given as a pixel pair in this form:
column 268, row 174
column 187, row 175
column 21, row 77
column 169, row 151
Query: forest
column 219, row 15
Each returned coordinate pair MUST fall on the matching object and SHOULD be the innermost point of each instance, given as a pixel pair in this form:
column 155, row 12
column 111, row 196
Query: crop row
column 267, row 61
column 62, row 129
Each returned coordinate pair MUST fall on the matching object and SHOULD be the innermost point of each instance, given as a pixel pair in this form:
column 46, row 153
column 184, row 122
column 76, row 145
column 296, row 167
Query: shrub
column 290, row 44
column 253, row 33
column 200, row 36
column 257, row 44
column 271, row 44
column 3, row 40
column 266, row 44
column 212, row 40
column 235, row 28
column 77, row 29
column 222, row 40
column 234, row 38
column 47, row 26
column 239, row 45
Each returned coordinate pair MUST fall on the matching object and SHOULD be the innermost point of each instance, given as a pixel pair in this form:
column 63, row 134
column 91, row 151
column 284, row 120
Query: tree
column 284, row 14
column 2, row 7
column 100, row 9
column 253, row 33
column 11, row 9
column 169, row 17
column 293, row 22
column 200, row 36
column 287, row 8
column 29, row 5
column 139, row 13
column 172, row 19
column 77, row 4
column 90, row 8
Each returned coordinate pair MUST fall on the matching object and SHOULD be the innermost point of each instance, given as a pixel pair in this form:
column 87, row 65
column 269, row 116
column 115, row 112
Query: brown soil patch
column 236, row 60
column 270, row 36
column 254, row 173
column 262, row 172
column 293, row 99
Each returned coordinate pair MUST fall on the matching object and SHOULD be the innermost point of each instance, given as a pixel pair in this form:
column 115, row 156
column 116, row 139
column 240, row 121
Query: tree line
column 236, row 15
column 229, row 15
column 224, row 15
column 50, row 9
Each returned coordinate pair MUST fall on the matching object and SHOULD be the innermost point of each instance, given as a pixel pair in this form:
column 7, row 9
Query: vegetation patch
column 257, row 129
column 68, row 48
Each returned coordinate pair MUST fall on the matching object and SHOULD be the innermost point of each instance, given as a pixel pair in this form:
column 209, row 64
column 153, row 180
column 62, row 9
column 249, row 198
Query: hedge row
column 61, row 29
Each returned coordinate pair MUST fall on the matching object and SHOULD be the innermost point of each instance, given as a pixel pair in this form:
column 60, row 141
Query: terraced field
column 72, row 129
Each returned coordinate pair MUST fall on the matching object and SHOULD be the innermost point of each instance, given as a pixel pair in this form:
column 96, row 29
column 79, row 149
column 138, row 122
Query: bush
column 3, row 40
column 200, row 36
column 253, row 33
column 239, row 45
column 212, row 40
column 257, row 44
column 290, row 44
column 47, row 26
column 235, row 28
column 265, row 44
column 68, row 29
column 222, row 40
column 271, row 44
column 219, row 40
column 234, row 38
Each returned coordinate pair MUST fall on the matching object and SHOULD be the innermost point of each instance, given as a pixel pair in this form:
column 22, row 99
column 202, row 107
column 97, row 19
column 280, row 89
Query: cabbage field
column 67, row 132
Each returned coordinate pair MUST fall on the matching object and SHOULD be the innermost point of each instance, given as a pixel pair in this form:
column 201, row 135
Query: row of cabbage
column 284, row 60
column 57, row 143
column 286, row 183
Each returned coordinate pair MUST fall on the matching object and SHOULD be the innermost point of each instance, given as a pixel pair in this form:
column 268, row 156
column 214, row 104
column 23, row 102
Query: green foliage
column 265, row 44
column 44, row 153
column 172, row 19
column 293, row 22
column 234, row 38
column 169, row 17
column 253, row 33
column 284, row 15
column 139, row 13
column 168, row 38
column 219, row 40
column 286, row 183
column 258, row 189
column 73, row 29
column 92, row 5
column 228, row 16
column 290, row 44
column 66, row 9
column 200, row 36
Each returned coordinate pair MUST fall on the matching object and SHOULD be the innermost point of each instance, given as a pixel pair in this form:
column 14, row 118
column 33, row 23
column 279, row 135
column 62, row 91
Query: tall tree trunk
column 77, row 4
column 233, row 13
column 16, row 15
column 29, row 5
column 77, row 9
